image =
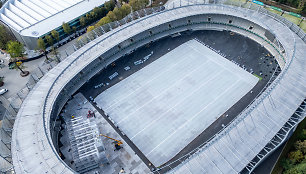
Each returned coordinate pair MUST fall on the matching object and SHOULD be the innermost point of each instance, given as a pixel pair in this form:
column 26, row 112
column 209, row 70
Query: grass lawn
column 273, row 11
column 278, row 168
column 260, row 78
column 303, row 26
column 293, row 19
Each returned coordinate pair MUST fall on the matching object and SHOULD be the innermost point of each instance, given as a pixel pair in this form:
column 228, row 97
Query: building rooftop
column 32, row 148
column 37, row 17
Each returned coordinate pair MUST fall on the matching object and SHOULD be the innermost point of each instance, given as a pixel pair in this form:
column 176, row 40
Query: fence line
column 14, row 103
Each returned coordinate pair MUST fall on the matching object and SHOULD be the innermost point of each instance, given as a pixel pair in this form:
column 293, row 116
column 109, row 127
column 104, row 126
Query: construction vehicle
column 117, row 143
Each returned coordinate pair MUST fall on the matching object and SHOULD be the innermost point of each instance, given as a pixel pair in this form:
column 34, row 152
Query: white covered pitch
column 168, row 103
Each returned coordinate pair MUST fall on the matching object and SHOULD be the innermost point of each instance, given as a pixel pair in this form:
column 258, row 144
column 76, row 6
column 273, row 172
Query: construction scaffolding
column 86, row 147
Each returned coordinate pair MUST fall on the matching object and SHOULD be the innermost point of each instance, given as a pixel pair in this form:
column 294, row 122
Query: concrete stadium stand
column 33, row 134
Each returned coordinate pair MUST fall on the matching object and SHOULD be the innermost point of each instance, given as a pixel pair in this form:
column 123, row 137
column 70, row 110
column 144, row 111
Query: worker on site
column 122, row 170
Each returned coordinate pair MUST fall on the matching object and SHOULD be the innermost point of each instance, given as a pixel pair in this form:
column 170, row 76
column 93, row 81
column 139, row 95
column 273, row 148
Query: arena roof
column 37, row 17
column 32, row 150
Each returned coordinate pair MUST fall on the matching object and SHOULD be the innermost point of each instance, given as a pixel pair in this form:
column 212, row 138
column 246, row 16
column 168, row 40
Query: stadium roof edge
column 34, row 18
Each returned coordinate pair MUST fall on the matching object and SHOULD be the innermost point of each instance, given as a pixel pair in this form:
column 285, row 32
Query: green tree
column 296, row 156
column 300, row 145
column 88, row 18
column 297, row 169
column 135, row 4
column 15, row 49
column 112, row 16
column 49, row 40
column 123, row 1
column 304, row 9
column 109, row 5
column 82, row 21
column 74, row 29
column 66, row 28
column 42, row 46
column 104, row 11
column 93, row 15
column 55, row 35
column 5, row 37
column 287, row 164
column 144, row 3
column 118, row 13
column 98, row 12
column 302, row 135
column 138, row 4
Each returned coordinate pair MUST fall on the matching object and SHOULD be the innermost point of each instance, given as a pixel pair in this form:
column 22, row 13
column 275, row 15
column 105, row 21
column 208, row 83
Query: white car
column 2, row 91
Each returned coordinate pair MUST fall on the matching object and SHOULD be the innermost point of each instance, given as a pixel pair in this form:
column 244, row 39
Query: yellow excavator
column 117, row 143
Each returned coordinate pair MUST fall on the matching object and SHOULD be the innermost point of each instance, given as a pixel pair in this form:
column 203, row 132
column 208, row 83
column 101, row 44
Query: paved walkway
column 14, row 82
column 12, row 79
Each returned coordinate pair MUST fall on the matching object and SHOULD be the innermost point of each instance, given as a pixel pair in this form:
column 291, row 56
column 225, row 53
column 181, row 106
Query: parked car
column 3, row 91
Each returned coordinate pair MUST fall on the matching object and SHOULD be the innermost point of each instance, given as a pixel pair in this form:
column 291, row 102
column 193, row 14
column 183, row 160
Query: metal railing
column 14, row 105
column 98, row 31
column 265, row 92
column 217, row 135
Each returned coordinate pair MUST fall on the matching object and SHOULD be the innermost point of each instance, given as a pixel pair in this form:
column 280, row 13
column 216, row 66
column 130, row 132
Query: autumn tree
column 49, row 40
column 90, row 28
column 138, row 4
column 74, row 29
column 66, row 28
column 118, row 13
column 82, row 21
column 300, row 145
column 296, row 156
column 125, row 9
column 55, row 35
column 19, row 66
column 103, row 21
column 111, row 15
column 42, row 46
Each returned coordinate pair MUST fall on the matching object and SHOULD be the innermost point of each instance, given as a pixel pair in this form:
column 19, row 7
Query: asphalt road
column 237, row 48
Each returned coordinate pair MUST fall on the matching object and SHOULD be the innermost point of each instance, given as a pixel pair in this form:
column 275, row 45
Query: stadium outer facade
column 29, row 20
column 283, row 100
